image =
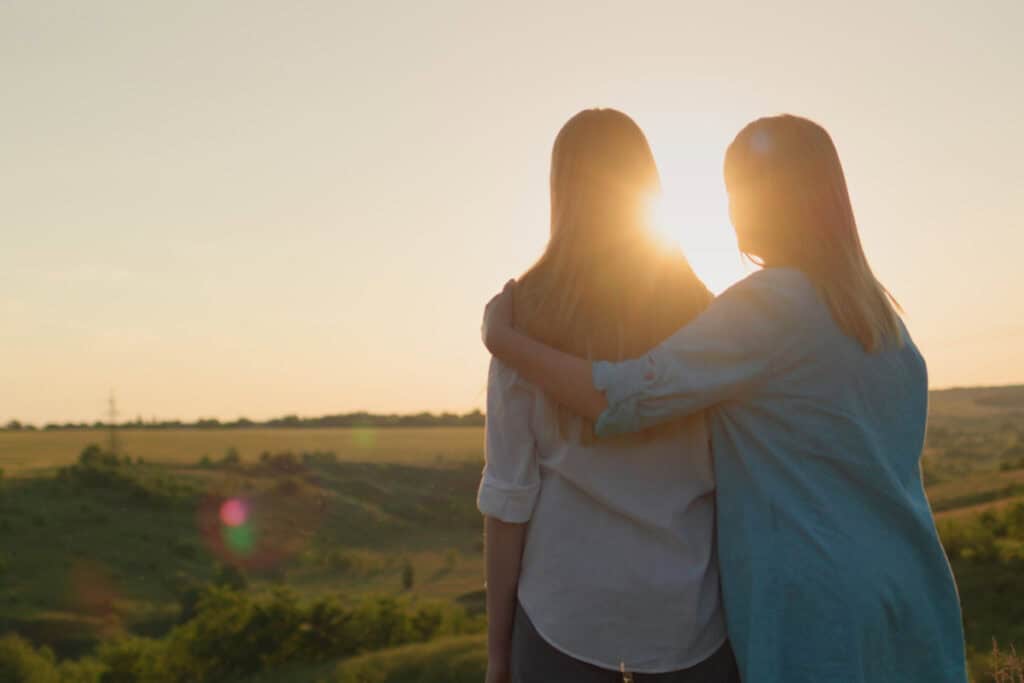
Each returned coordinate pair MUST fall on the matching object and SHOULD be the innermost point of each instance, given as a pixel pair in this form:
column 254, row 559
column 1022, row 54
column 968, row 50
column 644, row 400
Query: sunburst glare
column 692, row 214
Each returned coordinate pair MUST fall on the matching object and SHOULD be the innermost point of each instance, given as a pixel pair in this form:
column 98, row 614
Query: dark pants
column 535, row 661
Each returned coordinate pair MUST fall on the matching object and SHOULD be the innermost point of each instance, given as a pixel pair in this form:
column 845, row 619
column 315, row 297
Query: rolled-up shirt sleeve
column 510, row 482
column 740, row 340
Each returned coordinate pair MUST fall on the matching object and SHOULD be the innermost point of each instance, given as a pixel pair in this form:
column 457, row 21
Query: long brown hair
column 605, row 288
column 790, row 206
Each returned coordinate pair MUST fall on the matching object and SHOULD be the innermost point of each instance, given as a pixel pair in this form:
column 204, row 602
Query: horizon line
column 279, row 421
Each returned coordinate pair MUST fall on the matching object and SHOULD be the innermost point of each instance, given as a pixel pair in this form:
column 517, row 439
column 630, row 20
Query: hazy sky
column 257, row 208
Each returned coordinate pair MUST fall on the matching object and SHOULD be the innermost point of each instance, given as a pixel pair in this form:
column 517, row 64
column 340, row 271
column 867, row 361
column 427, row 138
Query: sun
column 693, row 210
column 699, row 225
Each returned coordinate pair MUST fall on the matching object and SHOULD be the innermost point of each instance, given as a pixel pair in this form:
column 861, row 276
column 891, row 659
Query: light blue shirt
column 831, row 566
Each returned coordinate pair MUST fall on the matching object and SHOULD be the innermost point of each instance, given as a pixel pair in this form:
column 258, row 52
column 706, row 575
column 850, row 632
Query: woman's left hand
column 497, row 317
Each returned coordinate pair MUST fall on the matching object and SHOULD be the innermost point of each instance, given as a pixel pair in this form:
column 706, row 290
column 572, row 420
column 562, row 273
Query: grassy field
column 976, row 402
column 976, row 489
column 31, row 450
column 90, row 554
column 461, row 659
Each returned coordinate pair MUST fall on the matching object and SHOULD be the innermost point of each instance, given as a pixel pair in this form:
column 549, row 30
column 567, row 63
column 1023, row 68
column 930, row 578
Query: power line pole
column 112, row 423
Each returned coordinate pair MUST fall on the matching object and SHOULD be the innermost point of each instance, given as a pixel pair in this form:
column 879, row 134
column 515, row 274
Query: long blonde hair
column 790, row 206
column 605, row 288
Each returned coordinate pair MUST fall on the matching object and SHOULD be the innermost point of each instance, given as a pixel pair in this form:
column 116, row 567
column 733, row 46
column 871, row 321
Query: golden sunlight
column 694, row 217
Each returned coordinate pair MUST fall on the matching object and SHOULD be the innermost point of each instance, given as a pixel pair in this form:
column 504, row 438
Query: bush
column 986, row 553
column 88, row 670
column 234, row 635
column 94, row 456
column 133, row 660
column 21, row 663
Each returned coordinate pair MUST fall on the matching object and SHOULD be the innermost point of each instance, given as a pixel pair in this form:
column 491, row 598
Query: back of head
column 790, row 206
column 605, row 288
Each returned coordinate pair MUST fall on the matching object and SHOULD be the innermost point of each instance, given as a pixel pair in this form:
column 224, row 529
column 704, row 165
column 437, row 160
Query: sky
column 224, row 209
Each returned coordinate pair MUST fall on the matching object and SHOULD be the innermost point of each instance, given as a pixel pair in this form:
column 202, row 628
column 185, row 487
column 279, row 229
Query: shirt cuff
column 512, row 505
column 623, row 383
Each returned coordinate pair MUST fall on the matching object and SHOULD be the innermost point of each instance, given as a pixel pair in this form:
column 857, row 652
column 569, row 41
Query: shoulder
column 780, row 281
column 780, row 293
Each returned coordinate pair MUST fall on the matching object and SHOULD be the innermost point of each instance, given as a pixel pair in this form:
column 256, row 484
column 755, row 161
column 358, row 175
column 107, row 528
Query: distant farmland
column 33, row 450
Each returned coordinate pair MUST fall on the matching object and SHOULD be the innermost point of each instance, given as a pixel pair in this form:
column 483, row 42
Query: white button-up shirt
column 619, row 568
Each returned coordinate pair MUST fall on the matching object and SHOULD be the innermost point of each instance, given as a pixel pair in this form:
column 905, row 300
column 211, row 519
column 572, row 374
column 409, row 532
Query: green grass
column 452, row 660
column 81, row 560
column 976, row 402
column 976, row 489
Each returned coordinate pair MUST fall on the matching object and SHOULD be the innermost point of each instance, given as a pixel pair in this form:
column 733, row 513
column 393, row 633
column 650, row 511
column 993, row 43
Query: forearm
column 504, row 551
column 565, row 378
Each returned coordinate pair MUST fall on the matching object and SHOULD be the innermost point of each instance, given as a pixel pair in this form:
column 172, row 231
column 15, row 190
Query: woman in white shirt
column 600, row 552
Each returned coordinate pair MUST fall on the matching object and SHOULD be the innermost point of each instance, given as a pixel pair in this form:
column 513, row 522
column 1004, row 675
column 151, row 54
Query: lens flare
column 239, row 539
column 266, row 520
column 234, row 512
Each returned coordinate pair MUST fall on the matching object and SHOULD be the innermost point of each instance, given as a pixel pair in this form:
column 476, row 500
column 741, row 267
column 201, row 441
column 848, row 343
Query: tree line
column 474, row 418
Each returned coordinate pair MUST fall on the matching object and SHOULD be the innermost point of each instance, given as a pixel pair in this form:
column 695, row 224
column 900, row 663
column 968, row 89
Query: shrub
column 133, row 660
column 90, row 455
column 21, row 663
column 408, row 575
column 233, row 634
column 231, row 457
column 88, row 670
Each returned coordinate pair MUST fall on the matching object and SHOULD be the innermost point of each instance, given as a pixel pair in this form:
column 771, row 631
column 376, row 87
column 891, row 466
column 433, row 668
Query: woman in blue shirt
column 816, row 400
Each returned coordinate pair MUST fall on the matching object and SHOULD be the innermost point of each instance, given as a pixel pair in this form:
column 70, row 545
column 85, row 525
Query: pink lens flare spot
column 234, row 512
